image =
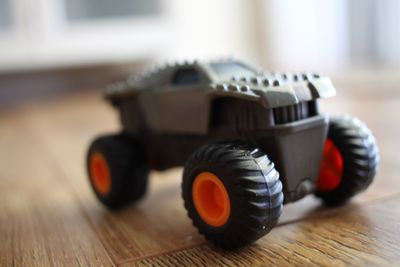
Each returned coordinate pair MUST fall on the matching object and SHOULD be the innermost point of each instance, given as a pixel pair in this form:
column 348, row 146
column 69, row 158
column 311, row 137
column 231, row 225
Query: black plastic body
column 292, row 137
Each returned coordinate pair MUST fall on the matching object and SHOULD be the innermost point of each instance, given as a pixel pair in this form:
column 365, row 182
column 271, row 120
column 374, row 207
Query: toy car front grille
column 295, row 112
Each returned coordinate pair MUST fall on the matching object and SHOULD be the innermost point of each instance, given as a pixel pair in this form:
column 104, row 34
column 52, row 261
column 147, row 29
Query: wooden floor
column 49, row 216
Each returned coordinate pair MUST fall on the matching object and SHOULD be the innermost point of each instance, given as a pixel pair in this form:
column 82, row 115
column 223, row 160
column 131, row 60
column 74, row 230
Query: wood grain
column 134, row 232
column 41, row 221
column 49, row 216
column 367, row 235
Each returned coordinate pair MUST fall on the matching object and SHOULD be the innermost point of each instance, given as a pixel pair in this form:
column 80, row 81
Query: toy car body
column 234, row 123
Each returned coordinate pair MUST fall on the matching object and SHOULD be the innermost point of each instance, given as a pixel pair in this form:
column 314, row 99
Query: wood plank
column 159, row 224
column 367, row 235
column 41, row 221
column 134, row 232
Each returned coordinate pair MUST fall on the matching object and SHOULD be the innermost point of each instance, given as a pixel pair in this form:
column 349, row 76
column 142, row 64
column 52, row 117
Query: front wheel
column 349, row 163
column 232, row 193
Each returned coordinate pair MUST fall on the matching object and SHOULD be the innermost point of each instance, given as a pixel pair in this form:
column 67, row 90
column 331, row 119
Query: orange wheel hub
column 331, row 171
column 99, row 173
column 211, row 199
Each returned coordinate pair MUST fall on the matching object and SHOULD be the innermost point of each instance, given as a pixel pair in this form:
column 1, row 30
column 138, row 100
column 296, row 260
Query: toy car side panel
column 176, row 111
column 131, row 114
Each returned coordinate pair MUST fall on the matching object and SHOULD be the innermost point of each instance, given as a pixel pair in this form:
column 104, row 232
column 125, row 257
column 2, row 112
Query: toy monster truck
column 249, row 142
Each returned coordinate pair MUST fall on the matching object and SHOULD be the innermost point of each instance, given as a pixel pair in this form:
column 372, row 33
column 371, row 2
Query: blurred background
column 52, row 47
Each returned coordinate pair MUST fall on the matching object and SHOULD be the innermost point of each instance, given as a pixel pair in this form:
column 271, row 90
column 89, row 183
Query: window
column 78, row 10
column 186, row 76
column 5, row 19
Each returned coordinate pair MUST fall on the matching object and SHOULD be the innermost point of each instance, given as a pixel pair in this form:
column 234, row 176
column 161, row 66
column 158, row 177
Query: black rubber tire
column 253, row 186
column 359, row 152
column 126, row 162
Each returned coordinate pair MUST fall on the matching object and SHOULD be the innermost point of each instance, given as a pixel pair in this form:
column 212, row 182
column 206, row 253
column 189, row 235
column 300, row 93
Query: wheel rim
column 331, row 170
column 211, row 199
column 100, row 173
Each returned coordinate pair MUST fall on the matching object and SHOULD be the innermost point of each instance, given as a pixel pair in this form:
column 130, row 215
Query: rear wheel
column 349, row 163
column 232, row 193
column 117, row 170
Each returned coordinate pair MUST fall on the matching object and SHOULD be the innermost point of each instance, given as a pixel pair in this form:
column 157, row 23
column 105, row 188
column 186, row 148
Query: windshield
column 227, row 70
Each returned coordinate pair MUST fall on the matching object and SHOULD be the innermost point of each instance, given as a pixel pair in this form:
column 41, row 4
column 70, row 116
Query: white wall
column 388, row 32
column 305, row 35
column 213, row 28
column 312, row 35
column 42, row 37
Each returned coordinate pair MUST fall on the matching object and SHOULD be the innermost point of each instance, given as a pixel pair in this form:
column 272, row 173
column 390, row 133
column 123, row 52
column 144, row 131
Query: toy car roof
column 229, row 77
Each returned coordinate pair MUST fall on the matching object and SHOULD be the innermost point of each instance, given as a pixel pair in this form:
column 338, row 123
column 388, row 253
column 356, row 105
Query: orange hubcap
column 211, row 199
column 100, row 173
column 331, row 171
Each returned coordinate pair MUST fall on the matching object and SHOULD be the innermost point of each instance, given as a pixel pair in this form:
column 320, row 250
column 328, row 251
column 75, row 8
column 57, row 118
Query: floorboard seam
column 161, row 253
